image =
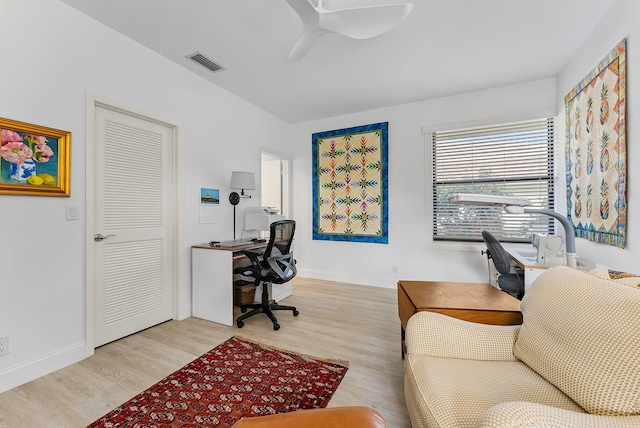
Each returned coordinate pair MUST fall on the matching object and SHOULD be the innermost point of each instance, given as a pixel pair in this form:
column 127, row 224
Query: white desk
column 212, row 280
column 525, row 257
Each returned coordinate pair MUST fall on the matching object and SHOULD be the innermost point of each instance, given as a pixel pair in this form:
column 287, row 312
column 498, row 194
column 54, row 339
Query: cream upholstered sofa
column 574, row 362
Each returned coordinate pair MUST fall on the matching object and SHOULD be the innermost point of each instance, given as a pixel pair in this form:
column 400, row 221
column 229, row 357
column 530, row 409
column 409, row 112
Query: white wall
column 51, row 56
column 620, row 21
column 407, row 250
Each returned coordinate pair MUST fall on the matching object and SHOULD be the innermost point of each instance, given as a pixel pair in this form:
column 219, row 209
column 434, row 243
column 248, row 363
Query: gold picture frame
column 34, row 160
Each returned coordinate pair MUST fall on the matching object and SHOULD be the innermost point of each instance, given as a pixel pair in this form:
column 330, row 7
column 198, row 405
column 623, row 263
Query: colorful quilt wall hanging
column 595, row 152
column 350, row 201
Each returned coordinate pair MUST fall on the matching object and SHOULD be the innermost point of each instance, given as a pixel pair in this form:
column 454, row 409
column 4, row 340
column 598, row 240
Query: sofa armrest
column 438, row 335
column 525, row 414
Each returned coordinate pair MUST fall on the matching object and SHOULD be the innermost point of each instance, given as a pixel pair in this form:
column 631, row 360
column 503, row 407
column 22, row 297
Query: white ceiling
column 444, row 47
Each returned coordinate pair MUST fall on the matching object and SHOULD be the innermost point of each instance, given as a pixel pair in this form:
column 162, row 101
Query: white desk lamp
column 514, row 205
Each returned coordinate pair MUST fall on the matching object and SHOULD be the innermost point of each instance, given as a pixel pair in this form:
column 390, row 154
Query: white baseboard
column 350, row 279
column 29, row 370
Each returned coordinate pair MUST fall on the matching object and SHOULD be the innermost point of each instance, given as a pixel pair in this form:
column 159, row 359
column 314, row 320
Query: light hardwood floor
column 337, row 321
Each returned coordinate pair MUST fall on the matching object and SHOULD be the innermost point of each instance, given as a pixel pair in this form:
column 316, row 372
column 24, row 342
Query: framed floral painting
column 34, row 160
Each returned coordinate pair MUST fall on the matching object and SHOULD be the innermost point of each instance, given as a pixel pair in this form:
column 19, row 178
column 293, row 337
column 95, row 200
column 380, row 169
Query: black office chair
column 511, row 283
column 275, row 265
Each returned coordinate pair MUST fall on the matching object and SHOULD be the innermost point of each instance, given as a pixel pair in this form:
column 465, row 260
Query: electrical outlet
column 4, row 345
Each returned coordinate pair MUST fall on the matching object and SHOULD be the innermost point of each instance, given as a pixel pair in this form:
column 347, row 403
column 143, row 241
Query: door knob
column 98, row 237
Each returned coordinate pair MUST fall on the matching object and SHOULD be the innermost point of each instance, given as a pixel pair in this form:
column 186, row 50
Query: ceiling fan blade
column 307, row 13
column 365, row 22
column 358, row 21
column 306, row 42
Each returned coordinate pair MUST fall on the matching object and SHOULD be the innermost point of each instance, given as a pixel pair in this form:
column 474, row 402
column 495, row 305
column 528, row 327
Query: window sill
column 454, row 245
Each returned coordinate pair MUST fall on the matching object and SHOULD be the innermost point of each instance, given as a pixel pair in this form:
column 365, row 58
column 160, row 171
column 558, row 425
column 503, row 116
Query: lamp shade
column 242, row 180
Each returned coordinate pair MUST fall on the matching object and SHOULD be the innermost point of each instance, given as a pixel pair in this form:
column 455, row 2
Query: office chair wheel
column 240, row 324
column 276, row 326
column 296, row 313
column 243, row 310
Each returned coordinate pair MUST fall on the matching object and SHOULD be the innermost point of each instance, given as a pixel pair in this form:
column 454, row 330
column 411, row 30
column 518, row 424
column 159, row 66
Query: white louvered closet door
column 133, row 203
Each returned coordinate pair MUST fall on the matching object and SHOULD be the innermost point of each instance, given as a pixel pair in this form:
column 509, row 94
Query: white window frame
column 427, row 131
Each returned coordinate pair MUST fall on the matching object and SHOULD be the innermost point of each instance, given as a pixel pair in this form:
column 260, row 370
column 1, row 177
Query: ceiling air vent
column 205, row 62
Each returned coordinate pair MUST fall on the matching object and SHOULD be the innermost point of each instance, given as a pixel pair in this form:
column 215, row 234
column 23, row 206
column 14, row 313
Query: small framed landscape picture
column 34, row 160
column 209, row 196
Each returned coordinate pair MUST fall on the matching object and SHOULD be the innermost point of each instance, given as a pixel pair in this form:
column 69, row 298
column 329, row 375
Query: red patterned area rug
column 235, row 379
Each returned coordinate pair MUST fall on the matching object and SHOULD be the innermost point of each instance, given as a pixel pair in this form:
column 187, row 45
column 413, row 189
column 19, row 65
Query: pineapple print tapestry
column 350, row 184
column 595, row 152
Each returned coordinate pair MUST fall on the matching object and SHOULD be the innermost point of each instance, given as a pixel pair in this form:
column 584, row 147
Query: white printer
column 260, row 218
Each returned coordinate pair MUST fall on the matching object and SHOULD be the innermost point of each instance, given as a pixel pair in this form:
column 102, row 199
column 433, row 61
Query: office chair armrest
column 438, row 335
column 256, row 264
column 526, row 414
column 253, row 256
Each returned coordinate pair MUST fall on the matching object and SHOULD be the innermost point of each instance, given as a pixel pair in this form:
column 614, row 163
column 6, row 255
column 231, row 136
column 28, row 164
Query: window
column 514, row 159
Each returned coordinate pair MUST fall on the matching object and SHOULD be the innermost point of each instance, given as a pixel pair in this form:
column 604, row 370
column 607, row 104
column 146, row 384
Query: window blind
column 514, row 159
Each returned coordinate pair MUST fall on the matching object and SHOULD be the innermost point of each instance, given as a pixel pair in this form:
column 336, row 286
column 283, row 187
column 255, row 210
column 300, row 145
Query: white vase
column 21, row 172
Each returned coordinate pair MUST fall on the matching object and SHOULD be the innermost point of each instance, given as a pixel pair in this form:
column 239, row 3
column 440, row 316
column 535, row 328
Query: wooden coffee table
column 475, row 302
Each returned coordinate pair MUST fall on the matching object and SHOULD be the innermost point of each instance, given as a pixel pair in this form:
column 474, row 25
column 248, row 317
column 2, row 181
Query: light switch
column 72, row 212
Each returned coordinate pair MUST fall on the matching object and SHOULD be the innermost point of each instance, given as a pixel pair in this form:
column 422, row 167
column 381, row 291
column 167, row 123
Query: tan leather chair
column 335, row 417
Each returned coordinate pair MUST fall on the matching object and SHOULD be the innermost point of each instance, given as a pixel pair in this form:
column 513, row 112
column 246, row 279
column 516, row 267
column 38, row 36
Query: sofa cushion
column 525, row 414
column 582, row 333
column 451, row 392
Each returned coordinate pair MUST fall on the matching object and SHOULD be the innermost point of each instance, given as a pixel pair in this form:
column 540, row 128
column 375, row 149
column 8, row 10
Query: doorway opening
column 274, row 179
